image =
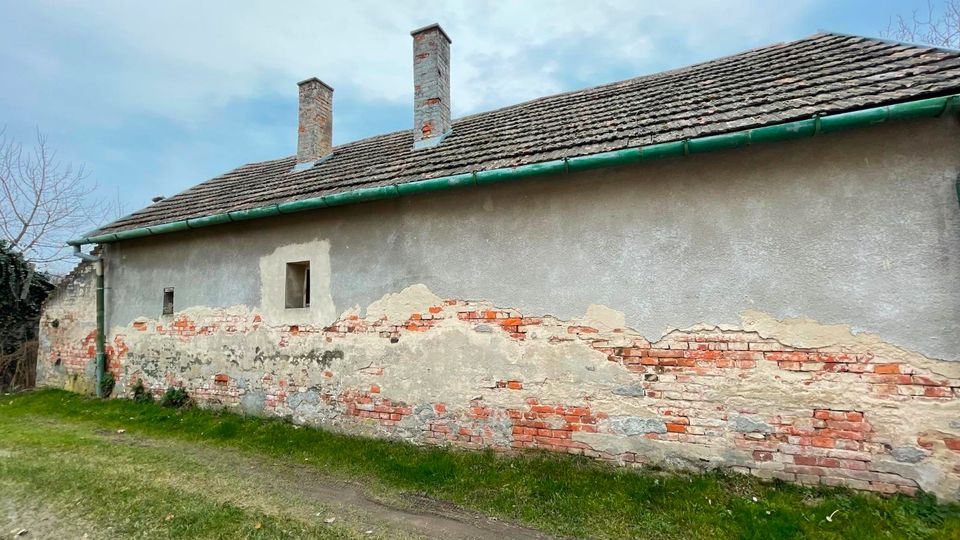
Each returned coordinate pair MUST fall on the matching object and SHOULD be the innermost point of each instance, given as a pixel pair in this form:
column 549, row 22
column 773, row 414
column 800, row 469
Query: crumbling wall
column 777, row 399
column 68, row 328
column 788, row 311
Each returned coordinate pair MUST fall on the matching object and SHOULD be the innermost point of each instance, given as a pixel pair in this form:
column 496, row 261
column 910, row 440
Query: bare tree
column 939, row 26
column 43, row 201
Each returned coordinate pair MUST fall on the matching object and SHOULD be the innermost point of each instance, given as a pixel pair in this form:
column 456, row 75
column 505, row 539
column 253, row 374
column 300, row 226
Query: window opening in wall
column 298, row 285
column 168, row 301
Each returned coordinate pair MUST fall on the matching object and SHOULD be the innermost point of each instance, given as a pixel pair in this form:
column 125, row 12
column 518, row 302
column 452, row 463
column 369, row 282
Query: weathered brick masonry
column 465, row 373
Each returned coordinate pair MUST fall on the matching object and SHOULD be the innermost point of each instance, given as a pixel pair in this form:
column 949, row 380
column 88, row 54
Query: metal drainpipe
column 101, row 357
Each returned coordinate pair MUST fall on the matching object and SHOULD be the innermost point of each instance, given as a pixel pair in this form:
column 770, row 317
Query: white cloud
column 181, row 60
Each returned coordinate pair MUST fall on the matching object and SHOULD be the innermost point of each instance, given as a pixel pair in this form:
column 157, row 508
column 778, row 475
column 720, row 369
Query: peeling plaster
column 808, row 333
column 604, row 317
column 399, row 306
column 424, row 359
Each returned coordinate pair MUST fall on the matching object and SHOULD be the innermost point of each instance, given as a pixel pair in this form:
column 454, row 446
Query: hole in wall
column 168, row 301
column 297, row 290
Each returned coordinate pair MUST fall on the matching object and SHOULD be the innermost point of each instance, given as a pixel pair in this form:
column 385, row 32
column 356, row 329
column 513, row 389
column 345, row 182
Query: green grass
column 564, row 495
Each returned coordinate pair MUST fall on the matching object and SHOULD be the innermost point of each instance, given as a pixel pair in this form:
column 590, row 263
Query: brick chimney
column 431, row 86
column 315, row 132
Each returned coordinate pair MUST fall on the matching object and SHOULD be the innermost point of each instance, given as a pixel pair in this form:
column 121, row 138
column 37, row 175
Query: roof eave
column 922, row 108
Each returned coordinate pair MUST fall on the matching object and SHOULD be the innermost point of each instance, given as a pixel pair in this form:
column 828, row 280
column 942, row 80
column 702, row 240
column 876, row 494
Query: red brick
column 848, row 426
column 787, row 356
column 952, row 444
column 889, row 369
column 854, row 416
column 936, row 391
column 760, row 455
column 676, row 428
column 823, row 442
column 927, row 381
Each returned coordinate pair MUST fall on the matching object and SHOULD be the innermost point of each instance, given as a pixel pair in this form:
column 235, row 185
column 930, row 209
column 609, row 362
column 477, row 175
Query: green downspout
column 923, row 108
column 100, row 340
column 101, row 370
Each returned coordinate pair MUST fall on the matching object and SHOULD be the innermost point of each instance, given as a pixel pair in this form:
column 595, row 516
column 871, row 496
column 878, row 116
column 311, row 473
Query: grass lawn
column 204, row 474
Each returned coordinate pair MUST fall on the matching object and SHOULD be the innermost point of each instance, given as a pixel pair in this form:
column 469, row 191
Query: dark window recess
column 298, row 285
column 168, row 301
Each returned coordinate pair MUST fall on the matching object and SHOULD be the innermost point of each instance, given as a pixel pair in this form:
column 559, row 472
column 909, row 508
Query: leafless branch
column 939, row 27
column 44, row 201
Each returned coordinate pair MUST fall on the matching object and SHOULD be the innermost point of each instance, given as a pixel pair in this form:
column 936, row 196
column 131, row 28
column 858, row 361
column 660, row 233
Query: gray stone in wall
column 747, row 425
column 632, row 391
column 253, row 402
column 635, row 425
column 908, row 454
column 295, row 399
column 424, row 413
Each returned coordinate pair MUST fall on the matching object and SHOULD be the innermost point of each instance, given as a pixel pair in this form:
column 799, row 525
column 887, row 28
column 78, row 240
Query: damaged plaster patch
column 399, row 306
column 604, row 317
column 808, row 333
column 273, row 277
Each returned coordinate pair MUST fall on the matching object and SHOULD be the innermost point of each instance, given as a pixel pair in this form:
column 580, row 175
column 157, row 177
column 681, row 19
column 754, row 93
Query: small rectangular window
column 298, row 285
column 168, row 301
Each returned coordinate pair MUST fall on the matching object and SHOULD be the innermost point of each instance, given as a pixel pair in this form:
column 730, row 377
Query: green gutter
column 924, row 108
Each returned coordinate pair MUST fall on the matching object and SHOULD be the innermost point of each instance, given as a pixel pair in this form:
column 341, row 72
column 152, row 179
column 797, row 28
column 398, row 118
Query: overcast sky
column 156, row 96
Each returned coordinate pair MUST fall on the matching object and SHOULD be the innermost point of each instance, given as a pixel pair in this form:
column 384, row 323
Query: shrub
column 106, row 384
column 141, row 394
column 175, row 397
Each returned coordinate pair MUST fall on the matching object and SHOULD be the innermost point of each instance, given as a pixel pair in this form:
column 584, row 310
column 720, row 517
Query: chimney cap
column 314, row 79
column 431, row 27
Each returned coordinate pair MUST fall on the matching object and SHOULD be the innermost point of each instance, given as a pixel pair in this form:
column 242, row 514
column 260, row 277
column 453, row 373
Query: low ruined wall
column 793, row 400
column 68, row 330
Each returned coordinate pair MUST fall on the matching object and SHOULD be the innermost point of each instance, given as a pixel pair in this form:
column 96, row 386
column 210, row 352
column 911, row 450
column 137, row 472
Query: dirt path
column 306, row 488
column 27, row 519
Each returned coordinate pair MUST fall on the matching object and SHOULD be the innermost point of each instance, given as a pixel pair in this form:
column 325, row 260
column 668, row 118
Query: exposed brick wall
column 68, row 331
column 691, row 387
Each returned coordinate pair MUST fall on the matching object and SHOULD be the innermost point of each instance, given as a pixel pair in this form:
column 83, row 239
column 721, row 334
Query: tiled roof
column 821, row 74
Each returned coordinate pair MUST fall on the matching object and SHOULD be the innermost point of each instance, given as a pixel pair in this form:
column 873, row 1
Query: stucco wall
column 859, row 228
column 787, row 310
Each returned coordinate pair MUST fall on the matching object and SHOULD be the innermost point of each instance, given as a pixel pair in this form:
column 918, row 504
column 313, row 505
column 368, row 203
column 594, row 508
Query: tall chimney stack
column 315, row 132
column 431, row 86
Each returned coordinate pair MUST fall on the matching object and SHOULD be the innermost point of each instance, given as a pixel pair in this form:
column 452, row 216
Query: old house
column 750, row 263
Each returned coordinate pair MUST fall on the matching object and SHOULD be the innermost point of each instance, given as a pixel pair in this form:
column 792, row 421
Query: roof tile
column 822, row 74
